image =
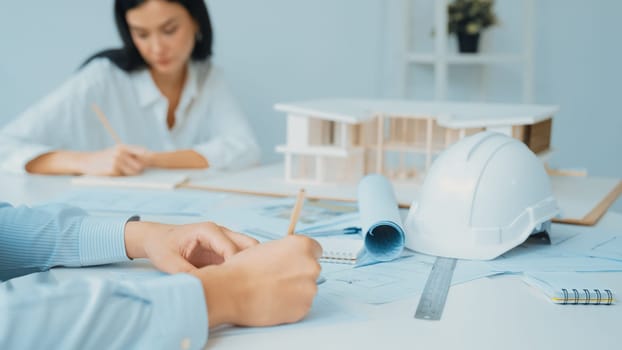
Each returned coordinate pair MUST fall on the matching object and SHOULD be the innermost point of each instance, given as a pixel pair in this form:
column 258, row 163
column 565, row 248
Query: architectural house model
column 341, row 140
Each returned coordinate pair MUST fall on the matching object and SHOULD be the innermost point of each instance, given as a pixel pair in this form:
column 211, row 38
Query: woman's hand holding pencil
column 132, row 160
column 120, row 160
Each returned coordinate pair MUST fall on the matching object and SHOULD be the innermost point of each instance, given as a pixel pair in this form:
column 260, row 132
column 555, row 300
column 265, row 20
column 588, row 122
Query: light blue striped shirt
column 165, row 312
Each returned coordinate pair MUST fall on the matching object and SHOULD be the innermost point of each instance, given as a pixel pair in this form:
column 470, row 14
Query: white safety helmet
column 481, row 197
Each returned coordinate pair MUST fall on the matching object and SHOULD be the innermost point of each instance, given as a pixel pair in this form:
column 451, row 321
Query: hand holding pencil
column 139, row 158
column 294, row 219
column 270, row 283
column 119, row 160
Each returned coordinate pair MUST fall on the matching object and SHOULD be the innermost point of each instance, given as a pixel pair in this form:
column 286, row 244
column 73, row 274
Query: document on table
column 378, row 215
column 536, row 263
column 269, row 220
column 144, row 202
column 151, row 178
column 601, row 243
column 571, row 249
column 394, row 280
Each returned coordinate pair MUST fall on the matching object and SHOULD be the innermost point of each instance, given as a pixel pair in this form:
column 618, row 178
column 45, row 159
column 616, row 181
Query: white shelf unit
column 440, row 59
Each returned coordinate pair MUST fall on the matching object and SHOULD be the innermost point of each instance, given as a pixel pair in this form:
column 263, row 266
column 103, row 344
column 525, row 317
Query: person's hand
column 183, row 248
column 149, row 158
column 120, row 160
column 178, row 159
column 268, row 284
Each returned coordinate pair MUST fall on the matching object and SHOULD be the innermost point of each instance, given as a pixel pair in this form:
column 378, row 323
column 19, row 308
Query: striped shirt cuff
column 179, row 318
column 102, row 240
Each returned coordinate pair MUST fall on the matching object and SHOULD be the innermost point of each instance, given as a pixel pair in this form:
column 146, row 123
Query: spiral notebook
column 571, row 288
column 340, row 250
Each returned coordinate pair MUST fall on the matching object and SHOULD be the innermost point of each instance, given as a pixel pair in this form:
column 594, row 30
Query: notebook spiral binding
column 338, row 257
column 585, row 297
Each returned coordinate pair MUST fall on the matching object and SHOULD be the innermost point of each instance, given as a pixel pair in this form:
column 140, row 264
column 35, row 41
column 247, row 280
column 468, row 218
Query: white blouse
column 207, row 120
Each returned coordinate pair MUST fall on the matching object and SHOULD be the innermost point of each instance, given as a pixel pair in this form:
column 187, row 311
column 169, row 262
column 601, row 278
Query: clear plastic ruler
column 434, row 294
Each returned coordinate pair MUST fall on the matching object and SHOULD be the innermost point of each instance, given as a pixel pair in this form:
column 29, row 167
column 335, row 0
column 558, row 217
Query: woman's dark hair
column 128, row 58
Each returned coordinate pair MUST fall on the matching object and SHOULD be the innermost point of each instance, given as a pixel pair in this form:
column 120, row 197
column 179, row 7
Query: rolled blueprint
column 380, row 219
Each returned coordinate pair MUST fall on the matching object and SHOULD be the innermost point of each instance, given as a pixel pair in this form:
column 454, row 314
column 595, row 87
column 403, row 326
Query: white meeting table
column 487, row 313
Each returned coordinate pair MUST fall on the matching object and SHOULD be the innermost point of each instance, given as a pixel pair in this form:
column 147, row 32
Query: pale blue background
column 280, row 50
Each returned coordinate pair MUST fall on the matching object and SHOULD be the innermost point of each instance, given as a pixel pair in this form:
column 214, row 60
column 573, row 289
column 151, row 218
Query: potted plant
column 467, row 19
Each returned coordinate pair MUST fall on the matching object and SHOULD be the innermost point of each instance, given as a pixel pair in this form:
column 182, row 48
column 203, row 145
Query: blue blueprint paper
column 380, row 220
column 378, row 216
column 401, row 278
column 570, row 251
column 600, row 243
column 142, row 202
column 270, row 218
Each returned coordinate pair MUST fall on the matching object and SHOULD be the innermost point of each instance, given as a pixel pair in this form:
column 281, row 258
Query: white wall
column 283, row 50
column 578, row 66
column 42, row 42
column 578, row 58
column 279, row 50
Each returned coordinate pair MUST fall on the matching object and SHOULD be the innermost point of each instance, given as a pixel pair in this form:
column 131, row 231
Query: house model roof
column 448, row 114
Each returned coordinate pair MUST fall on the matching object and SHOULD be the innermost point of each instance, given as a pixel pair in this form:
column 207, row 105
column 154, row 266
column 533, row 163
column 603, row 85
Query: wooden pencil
column 296, row 212
column 104, row 120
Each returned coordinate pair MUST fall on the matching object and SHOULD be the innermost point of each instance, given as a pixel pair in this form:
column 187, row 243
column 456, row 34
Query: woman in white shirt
column 168, row 104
